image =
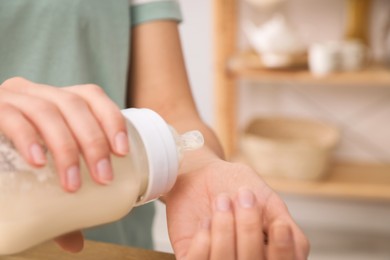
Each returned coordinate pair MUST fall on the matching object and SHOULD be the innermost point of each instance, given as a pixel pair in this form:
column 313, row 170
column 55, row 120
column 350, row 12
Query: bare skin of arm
column 159, row 79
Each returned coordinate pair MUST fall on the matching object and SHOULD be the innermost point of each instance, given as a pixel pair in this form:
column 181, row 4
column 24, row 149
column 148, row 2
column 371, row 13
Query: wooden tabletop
column 92, row 250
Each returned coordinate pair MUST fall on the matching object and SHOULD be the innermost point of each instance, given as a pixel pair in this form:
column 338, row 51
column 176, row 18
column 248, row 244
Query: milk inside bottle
column 35, row 208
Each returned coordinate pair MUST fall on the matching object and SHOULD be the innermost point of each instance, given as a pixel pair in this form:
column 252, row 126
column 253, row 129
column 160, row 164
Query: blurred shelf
column 247, row 65
column 347, row 180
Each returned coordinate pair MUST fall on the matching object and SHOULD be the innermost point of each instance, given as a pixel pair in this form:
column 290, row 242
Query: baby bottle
column 34, row 208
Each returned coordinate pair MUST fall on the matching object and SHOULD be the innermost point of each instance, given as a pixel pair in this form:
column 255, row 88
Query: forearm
column 158, row 80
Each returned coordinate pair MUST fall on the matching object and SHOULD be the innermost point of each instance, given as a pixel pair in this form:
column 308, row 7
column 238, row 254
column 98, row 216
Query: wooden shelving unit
column 346, row 180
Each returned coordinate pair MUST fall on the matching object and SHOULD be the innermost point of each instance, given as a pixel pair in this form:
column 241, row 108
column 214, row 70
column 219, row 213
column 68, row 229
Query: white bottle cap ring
column 160, row 148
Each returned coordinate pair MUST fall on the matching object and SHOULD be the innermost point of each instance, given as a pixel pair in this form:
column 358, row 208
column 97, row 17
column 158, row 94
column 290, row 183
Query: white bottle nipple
column 188, row 141
column 191, row 140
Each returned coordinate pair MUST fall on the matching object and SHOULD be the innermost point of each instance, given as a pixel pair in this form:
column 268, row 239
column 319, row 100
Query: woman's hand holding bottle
column 70, row 121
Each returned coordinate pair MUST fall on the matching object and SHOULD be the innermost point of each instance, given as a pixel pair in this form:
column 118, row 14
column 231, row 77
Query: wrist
column 196, row 159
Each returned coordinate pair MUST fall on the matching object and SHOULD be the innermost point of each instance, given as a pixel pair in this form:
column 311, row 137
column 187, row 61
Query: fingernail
column 282, row 235
column 222, row 203
column 104, row 171
column 37, row 154
column 246, row 199
column 121, row 143
column 73, row 180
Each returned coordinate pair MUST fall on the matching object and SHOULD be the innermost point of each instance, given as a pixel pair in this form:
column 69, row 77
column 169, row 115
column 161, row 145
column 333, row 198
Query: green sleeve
column 155, row 10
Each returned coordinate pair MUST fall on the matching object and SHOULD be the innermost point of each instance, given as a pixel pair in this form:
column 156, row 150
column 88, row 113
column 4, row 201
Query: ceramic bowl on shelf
column 292, row 148
column 276, row 42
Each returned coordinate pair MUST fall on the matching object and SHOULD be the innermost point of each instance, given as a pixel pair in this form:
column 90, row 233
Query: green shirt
column 71, row 42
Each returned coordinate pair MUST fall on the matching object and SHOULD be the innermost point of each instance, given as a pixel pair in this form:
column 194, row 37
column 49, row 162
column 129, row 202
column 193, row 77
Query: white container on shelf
column 324, row 58
column 353, row 55
column 329, row 57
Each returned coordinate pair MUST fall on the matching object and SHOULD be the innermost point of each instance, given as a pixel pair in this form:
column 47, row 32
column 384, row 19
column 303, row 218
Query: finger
column 82, row 123
column 222, row 229
column 22, row 134
column 302, row 245
column 51, row 126
column 200, row 245
column 249, row 230
column 88, row 134
column 107, row 113
column 72, row 242
column 281, row 243
column 277, row 211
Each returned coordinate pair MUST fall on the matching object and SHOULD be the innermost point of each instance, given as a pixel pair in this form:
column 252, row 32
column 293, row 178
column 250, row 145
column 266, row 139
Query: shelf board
column 247, row 65
column 347, row 180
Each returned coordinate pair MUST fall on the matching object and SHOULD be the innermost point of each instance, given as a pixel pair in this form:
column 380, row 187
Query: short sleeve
column 142, row 11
